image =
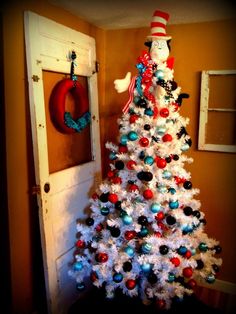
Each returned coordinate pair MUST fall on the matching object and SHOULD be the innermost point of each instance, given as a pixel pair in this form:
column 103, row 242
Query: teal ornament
column 105, row 211
column 136, row 99
column 127, row 220
column 112, row 156
column 146, row 248
column 129, row 251
column 182, row 250
column 78, row 266
column 203, row 247
column 172, row 191
column 210, row 278
column 148, row 112
column 146, row 267
column 143, row 232
column 171, row 277
column 185, row 147
column 166, row 174
column 122, row 213
column 193, row 251
column 173, row 204
column 148, row 160
column 155, row 208
column 124, row 139
column 161, row 130
column 117, row 277
column 159, row 74
column 80, row 286
column 132, row 136
column 162, row 189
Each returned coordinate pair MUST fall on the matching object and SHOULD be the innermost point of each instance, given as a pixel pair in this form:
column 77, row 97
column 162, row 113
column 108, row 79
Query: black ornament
column 203, row 221
column 188, row 210
column 197, row 213
column 175, row 157
column 115, row 232
column 215, row 268
column 170, row 220
column 142, row 103
column 163, row 249
column 142, row 220
column 118, row 205
column 127, row 266
column 145, row 176
column 218, row 249
column 119, row 165
column 152, row 278
column 147, row 127
column 104, row 197
column 168, row 159
column 200, row 264
column 142, row 155
column 89, row 221
column 187, row 185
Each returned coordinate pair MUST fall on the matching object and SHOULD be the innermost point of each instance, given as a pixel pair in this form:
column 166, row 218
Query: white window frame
column 204, row 110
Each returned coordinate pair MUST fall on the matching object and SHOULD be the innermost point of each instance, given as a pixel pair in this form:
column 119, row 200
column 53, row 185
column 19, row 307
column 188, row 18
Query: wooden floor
column 96, row 303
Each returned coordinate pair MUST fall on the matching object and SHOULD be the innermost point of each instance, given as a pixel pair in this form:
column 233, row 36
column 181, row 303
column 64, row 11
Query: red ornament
column 164, row 112
column 123, row 149
column 133, row 118
column 167, row 138
column 188, row 254
column 161, row 304
column 113, row 198
column 80, row 244
column 179, row 180
column 95, row 196
column 192, row 283
column 130, row 284
column 130, row 164
column 133, row 188
column 160, row 162
column 101, row 257
column 157, row 234
column 175, row 261
column 160, row 216
column 58, row 103
column 144, row 142
column 148, row 194
column 176, row 106
column 116, row 180
column 130, row 234
column 99, row 228
column 187, row 272
column 110, row 174
column 93, row 276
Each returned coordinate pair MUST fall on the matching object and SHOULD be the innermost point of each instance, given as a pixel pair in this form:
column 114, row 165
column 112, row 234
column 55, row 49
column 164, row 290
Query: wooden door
column 67, row 166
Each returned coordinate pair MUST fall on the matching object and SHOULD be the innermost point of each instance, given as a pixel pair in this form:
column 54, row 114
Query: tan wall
column 18, row 139
column 196, row 47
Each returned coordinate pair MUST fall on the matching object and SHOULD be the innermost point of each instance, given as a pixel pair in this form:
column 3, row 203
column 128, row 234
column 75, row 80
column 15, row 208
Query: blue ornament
column 130, row 251
column 127, row 220
column 185, row 147
column 105, row 211
column 172, row 191
column 146, row 248
column 171, row 277
column 159, row 74
column 166, row 175
column 162, row 189
column 112, row 156
column 78, row 266
column 124, row 139
column 117, row 277
column 132, row 136
column 149, row 160
column 173, row 204
column 148, row 112
column 143, row 232
column 146, row 267
column 210, row 278
column 155, row 208
column 203, row 247
column 182, row 250
column 80, row 286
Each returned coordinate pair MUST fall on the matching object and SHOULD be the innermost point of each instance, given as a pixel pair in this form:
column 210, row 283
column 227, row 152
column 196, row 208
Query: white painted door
column 64, row 194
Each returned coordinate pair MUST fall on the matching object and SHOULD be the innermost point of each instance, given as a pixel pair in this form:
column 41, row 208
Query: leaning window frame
column 204, row 109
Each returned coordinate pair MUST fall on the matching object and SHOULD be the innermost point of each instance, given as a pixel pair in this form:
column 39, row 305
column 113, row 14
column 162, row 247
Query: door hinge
column 35, row 190
column 97, row 67
column 35, row 78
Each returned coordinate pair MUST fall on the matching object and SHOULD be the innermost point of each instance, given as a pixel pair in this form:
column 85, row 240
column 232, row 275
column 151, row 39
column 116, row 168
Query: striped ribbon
column 131, row 94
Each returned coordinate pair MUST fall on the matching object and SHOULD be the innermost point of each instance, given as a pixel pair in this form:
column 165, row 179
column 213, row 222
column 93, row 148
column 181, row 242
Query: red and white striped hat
column 158, row 26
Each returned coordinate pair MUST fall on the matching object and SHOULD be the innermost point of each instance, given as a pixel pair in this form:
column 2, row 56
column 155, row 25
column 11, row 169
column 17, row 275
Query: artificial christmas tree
column 145, row 233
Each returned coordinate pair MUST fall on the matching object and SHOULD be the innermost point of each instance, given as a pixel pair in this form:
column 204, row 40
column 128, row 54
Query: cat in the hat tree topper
column 145, row 233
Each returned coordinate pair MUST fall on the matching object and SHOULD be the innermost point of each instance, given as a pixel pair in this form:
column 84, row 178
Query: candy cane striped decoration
column 131, row 94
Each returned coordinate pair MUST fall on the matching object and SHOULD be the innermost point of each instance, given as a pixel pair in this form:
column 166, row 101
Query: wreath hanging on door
column 60, row 117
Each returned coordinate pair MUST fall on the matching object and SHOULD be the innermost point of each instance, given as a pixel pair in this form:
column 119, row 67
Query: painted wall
column 196, row 47
column 20, row 168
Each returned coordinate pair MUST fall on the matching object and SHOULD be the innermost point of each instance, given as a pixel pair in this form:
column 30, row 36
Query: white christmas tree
column 145, row 234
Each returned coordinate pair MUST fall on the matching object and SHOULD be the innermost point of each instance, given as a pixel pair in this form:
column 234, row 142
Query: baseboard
column 221, row 285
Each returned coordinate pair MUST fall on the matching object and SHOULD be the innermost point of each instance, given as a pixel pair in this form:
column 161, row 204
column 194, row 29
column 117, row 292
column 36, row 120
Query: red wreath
column 57, row 103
